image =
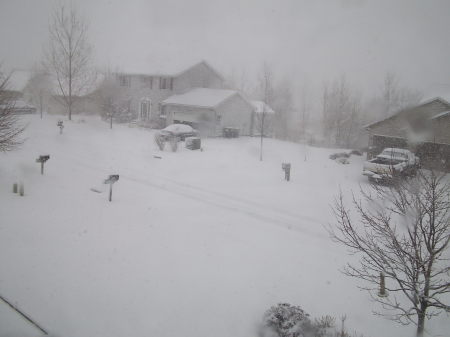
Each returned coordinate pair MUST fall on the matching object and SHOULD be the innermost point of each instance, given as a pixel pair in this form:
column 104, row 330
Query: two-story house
column 147, row 91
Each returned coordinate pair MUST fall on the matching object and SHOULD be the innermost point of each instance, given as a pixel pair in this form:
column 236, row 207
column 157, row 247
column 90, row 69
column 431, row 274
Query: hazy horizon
column 307, row 41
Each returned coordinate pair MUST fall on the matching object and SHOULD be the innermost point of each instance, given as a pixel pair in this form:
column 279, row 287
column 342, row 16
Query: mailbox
column 287, row 170
column 112, row 179
column 43, row 159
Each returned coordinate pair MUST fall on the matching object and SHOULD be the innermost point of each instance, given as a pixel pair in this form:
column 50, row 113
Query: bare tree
column 114, row 104
column 69, row 54
column 39, row 88
column 402, row 234
column 238, row 80
column 266, row 89
column 395, row 97
column 282, row 103
column 341, row 113
column 10, row 128
column 305, row 106
column 390, row 92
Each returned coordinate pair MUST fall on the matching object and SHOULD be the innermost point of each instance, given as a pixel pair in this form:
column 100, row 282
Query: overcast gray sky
column 313, row 40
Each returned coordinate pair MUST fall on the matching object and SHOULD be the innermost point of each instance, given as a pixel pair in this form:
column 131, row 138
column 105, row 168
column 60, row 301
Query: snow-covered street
column 195, row 243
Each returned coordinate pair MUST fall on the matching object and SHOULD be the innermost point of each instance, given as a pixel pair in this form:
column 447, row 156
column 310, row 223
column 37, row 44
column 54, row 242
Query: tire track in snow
column 221, row 200
column 239, row 207
column 243, row 200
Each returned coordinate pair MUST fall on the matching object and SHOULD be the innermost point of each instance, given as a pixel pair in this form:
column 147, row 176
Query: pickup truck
column 391, row 163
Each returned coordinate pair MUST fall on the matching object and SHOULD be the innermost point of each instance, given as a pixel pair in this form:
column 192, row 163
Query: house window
column 124, row 80
column 166, row 83
column 147, row 81
column 145, row 110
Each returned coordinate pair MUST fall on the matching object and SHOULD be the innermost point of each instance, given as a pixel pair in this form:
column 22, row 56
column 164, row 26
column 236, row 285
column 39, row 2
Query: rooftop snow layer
column 442, row 114
column 201, row 97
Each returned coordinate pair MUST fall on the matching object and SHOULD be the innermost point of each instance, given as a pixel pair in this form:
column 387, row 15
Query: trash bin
column 193, row 143
column 230, row 132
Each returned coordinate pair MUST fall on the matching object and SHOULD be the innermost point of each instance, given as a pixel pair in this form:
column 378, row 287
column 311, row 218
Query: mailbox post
column 111, row 180
column 287, row 170
column 61, row 126
column 42, row 159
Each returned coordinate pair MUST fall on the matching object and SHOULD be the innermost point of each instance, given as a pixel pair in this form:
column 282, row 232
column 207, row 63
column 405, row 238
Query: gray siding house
column 424, row 128
column 146, row 91
column 209, row 110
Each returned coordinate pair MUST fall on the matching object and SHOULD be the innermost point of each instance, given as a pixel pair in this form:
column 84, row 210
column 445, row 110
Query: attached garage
column 209, row 110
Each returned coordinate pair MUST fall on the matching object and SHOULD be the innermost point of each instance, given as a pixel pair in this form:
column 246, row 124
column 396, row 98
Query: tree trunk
column 110, row 121
column 40, row 104
column 70, row 82
column 262, row 136
column 420, row 324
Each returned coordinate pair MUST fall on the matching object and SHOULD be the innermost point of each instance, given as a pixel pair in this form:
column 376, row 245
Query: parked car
column 391, row 163
column 180, row 131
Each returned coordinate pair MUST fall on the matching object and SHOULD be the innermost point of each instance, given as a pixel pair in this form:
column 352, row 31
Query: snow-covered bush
column 285, row 320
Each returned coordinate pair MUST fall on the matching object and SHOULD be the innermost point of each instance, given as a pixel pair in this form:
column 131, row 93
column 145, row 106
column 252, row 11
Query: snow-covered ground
column 196, row 244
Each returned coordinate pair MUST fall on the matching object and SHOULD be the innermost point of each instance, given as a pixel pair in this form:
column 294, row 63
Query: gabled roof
column 169, row 69
column 203, row 62
column 261, row 107
column 201, row 97
column 435, row 99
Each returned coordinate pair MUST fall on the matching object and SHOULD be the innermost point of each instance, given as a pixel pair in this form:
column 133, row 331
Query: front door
column 145, row 109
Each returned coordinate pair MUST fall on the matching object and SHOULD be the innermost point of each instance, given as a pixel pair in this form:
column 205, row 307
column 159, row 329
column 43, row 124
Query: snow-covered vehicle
column 391, row 163
column 180, row 131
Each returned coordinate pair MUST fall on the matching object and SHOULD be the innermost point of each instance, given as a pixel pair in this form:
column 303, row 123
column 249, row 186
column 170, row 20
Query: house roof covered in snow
column 431, row 114
column 201, row 97
column 261, row 107
column 442, row 114
column 18, row 79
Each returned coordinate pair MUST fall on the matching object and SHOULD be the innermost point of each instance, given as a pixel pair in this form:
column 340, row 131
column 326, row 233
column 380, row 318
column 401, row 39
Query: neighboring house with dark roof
column 209, row 110
column 424, row 128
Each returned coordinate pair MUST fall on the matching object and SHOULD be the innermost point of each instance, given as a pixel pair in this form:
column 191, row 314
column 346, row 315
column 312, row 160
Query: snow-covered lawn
column 196, row 244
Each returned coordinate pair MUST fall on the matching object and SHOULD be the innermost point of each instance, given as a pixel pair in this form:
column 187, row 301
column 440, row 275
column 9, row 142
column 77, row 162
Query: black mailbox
column 43, row 159
column 112, row 179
